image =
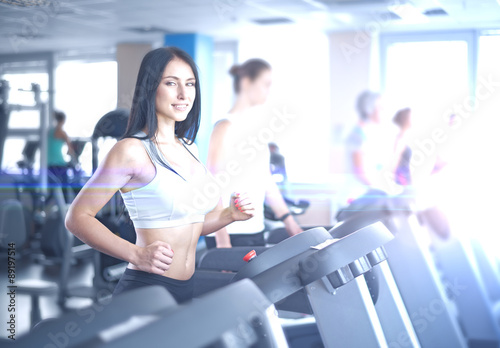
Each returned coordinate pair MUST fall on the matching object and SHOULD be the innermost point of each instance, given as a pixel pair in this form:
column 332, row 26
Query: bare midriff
column 182, row 240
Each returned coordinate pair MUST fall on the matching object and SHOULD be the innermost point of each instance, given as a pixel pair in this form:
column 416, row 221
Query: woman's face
column 258, row 89
column 176, row 92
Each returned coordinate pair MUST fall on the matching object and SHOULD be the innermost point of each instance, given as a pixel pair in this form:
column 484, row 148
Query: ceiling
column 98, row 25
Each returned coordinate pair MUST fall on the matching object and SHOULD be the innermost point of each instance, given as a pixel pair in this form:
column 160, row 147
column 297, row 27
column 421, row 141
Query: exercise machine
column 389, row 305
column 323, row 272
column 432, row 313
column 150, row 316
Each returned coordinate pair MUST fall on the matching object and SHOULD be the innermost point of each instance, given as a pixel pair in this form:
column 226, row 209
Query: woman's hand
column 241, row 207
column 154, row 258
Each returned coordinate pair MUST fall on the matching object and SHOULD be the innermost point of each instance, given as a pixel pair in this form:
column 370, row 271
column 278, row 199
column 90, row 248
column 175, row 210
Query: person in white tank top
column 240, row 159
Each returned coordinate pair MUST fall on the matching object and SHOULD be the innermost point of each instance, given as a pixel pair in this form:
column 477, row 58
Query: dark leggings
column 181, row 290
column 61, row 174
column 240, row 239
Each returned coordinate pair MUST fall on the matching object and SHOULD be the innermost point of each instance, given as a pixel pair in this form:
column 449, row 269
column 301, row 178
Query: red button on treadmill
column 250, row 256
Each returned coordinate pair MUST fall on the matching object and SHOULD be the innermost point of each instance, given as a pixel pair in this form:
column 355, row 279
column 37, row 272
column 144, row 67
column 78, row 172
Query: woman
column 56, row 164
column 235, row 148
column 402, row 175
column 166, row 189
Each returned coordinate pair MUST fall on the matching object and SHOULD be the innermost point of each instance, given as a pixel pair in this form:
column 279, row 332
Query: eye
column 190, row 84
column 170, row 83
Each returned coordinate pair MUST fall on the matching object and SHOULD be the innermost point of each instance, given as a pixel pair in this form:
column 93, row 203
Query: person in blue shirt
column 56, row 163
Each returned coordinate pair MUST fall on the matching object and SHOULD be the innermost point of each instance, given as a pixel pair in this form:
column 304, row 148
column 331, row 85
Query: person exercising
column 369, row 149
column 56, row 164
column 402, row 149
column 230, row 147
column 168, row 192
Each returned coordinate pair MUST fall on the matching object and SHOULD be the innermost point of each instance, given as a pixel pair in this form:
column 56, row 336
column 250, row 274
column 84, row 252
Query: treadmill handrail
column 343, row 251
column 292, row 276
column 202, row 321
column 90, row 320
column 356, row 222
column 281, row 252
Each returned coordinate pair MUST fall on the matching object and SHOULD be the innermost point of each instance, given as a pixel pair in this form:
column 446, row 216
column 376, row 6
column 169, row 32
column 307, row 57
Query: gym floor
column 81, row 274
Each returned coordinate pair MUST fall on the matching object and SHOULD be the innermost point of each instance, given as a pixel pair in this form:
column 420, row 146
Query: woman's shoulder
column 223, row 125
column 129, row 143
column 58, row 133
column 128, row 150
column 356, row 137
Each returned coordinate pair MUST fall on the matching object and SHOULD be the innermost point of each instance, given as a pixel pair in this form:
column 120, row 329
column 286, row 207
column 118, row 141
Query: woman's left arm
column 275, row 200
column 240, row 209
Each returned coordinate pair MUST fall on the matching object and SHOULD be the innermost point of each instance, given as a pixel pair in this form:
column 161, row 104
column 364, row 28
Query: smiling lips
column 180, row 107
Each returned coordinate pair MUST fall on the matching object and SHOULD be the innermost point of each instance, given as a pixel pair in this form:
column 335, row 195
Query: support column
column 129, row 57
column 200, row 48
column 353, row 69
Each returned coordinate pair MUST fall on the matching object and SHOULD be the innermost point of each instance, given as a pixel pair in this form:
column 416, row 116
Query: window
column 481, row 167
column 425, row 76
column 446, row 74
column 85, row 92
column 20, row 93
column 431, row 74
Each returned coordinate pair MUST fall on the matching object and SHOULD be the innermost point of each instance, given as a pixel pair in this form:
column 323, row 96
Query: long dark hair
column 251, row 69
column 143, row 111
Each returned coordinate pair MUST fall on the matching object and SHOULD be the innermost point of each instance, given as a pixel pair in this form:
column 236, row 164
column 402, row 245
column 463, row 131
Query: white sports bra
column 170, row 200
